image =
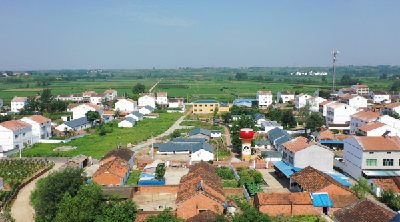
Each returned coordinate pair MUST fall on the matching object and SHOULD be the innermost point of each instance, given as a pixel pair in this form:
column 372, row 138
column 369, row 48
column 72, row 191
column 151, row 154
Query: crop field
column 97, row 146
column 19, row 170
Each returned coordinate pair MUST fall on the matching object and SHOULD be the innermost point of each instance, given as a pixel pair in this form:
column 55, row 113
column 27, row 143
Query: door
column 325, row 210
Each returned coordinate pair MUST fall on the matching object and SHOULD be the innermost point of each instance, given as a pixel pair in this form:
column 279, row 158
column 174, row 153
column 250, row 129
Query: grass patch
column 133, row 179
column 97, row 146
column 229, row 183
column 302, row 218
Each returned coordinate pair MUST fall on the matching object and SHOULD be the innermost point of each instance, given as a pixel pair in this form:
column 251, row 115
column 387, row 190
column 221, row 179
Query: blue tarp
column 340, row 178
column 151, row 182
column 321, row 200
column 284, row 168
column 106, row 117
column 89, row 180
column 330, row 141
column 382, row 173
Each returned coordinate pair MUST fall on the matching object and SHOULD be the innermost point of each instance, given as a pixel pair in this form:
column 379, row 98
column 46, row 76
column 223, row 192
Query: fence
column 246, row 194
column 237, row 177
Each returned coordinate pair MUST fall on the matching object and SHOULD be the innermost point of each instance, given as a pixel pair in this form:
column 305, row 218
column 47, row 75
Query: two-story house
column 370, row 155
column 314, row 102
column 14, row 135
column 339, row 113
column 41, row 126
column 87, row 95
column 361, row 89
column 98, row 98
column 264, row 98
column 355, row 101
column 350, row 91
column 18, row 103
column 362, row 118
column 147, row 99
column 389, row 108
column 301, row 152
column 301, row 100
column 66, row 97
column 323, row 105
column 126, row 105
column 377, row 129
column 74, row 125
column 286, row 96
column 162, row 99
column 77, row 98
column 111, row 94
column 380, row 97
column 81, row 110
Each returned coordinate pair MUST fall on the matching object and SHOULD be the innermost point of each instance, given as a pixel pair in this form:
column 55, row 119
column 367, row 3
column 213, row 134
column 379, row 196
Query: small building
column 269, row 125
column 136, row 116
column 362, row 118
column 198, row 150
column 377, row 129
column 41, row 126
column 200, row 133
column 380, row 184
column 264, row 98
column 364, row 210
column 314, row 102
column 245, row 102
column 162, row 99
column 15, row 135
column 272, row 155
column 389, row 108
column 126, row 105
column 77, row 98
column 146, row 110
column 71, row 106
column 115, row 172
column 98, row 98
column 111, row 94
column 81, row 161
column 301, row 100
column 323, row 105
column 215, row 133
column 121, row 152
column 361, row 89
column 18, row 103
column 259, row 119
column 75, row 125
column 152, row 116
column 339, row 113
column 147, row 99
column 236, row 117
column 262, row 144
column 355, row 101
column 380, row 97
column 286, row 96
column 127, row 122
column 81, row 110
column 287, row 204
column 208, row 106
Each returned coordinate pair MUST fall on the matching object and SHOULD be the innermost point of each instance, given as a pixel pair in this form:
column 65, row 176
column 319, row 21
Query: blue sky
column 76, row 34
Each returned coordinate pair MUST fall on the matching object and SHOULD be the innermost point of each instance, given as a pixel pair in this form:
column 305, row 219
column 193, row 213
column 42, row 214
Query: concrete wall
column 202, row 155
column 65, row 141
column 315, row 156
column 353, row 157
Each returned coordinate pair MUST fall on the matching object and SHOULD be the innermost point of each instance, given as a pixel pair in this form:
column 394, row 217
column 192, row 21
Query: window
column 387, row 162
column 205, row 105
column 16, row 136
column 371, row 162
column 200, row 110
column 284, row 155
column 291, row 159
column 371, row 152
column 195, row 110
column 211, row 105
column 211, row 110
column 23, row 134
column 388, row 152
column 195, row 105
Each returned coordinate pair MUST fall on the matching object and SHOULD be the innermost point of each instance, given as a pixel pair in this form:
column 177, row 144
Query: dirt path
column 21, row 210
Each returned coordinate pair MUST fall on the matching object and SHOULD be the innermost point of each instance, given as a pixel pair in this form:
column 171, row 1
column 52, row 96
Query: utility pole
column 334, row 53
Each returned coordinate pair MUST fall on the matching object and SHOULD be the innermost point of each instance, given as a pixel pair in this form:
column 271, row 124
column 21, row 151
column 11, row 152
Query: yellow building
column 208, row 106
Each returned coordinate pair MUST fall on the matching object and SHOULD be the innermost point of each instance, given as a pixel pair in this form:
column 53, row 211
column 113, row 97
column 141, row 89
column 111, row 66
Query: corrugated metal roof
column 216, row 131
column 277, row 132
column 77, row 122
column 283, row 140
column 129, row 119
column 193, row 147
column 189, row 140
column 321, row 200
column 201, row 131
column 272, row 154
column 263, row 142
column 284, row 168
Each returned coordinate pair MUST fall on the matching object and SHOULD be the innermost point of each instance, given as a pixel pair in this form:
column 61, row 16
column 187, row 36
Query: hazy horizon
column 102, row 34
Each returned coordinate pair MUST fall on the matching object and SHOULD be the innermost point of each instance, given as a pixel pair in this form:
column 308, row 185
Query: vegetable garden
column 19, row 170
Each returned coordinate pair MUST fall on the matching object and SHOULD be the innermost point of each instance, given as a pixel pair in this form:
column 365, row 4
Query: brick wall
column 333, row 189
column 235, row 165
column 191, row 207
column 158, row 189
column 232, row 190
column 142, row 215
column 275, row 210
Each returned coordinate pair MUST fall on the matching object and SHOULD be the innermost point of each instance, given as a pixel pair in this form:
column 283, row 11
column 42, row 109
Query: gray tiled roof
column 77, row 122
column 269, row 124
column 272, row 154
column 136, row 113
column 193, row 147
column 201, row 131
column 189, row 140
column 283, row 139
column 150, row 108
column 129, row 119
column 262, row 142
column 276, row 133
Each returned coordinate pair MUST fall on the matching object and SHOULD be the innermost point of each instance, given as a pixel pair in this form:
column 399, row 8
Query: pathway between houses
column 21, row 210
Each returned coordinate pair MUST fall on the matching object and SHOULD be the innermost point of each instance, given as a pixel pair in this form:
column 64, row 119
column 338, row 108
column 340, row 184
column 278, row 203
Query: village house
column 371, row 156
column 389, row 108
column 87, row 95
column 287, row 204
column 264, row 98
column 198, row 149
column 301, row 100
column 81, row 110
column 301, row 152
column 15, row 134
column 362, row 118
column 380, row 184
column 200, row 190
column 127, row 122
column 135, row 115
column 270, row 125
column 355, row 101
column 98, row 98
column 200, row 133
column 349, row 91
column 77, row 98
column 277, row 133
column 146, row 110
column 126, row 105
column 323, row 107
column 339, row 113
column 41, row 126
column 286, row 96
column 314, row 102
column 123, row 153
column 18, row 103
column 259, row 118
column 216, row 134
column 380, row 97
column 245, row 102
column 377, row 129
column 364, row 210
column 262, row 144
column 147, row 99
column 80, row 161
column 66, row 97
column 361, row 89
column 111, row 94
column 74, row 125
column 208, row 106
column 162, row 99
column 115, row 172
column 175, row 103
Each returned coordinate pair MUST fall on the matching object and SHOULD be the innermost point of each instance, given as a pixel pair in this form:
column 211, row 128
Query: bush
column 245, row 180
column 160, row 171
column 258, row 178
column 225, row 173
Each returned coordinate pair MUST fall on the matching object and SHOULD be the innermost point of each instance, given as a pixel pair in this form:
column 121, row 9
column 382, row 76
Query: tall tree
column 243, row 122
column 288, row 118
column 314, row 121
column 139, row 88
column 93, row 115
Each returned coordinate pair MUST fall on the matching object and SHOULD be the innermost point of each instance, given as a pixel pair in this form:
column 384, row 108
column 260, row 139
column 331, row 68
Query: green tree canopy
column 314, row 121
column 164, row 216
column 288, row 118
column 243, row 122
column 138, row 88
column 93, row 115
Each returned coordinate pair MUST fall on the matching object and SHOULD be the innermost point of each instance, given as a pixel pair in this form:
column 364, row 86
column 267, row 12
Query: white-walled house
column 126, row 105
column 127, row 122
column 75, row 125
column 298, row 153
column 362, row 118
column 146, row 110
column 81, row 110
column 111, row 94
column 18, row 103
column 174, row 103
column 147, row 99
column 339, row 113
column 390, row 121
column 361, row 89
column 377, row 129
column 77, row 98
column 162, row 99
column 66, row 97
column 323, row 107
column 301, row 100
column 285, row 95
column 137, row 116
column 266, row 126
column 264, row 98
column 314, row 103
column 389, row 108
column 15, row 134
column 344, row 91
column 380, row 97
column 365, row 154
column 203, row 153
column 215, row 133
column 41, row 126
column 355, row 101
column 97, row 98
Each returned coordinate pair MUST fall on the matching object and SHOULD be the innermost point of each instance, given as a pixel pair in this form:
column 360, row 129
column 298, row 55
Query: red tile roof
column 109, row 91
column 342, row 200
column 387, row 184
column 264, row 93
column 287, row 92
column 73, row 105
column 380, row 93
column 392, row 105
column 299, row 143
column 39, row 119
column 15, row 125
column 116, row 168
column 326, row 135
column 98, row 95
column 366, row 116
column 371, row 126
column 93, row 105
column 364, row 210
column 130, row 100
column 361, row 86
column 313, row 180
column 203, row 217
column 162, row 94
column 284, row 198
column 327, row 102
column 88, row 93
column 19, row 99
column 375, row 143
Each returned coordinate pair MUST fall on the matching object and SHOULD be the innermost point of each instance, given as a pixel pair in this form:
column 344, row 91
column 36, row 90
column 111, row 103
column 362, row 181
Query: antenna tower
column 334, row 53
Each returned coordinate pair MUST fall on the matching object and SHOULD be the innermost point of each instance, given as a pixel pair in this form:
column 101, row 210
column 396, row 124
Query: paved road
column 21, row 210
column 166, row 133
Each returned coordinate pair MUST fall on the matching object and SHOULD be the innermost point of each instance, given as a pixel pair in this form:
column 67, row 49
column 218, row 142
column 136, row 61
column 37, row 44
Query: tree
column 361, row 188
column 274, row 114
column 215, row 113
column 93, row 115
column 324, row 94
column 300, row 91
column 324, row 79
column 134, row 97
column 391, row 199
column 288, row 119
column 113, row 103
column 118, row 211
column 45, row 99
column 243, row 122
column 280, row 100
column 51, row 190
column 139, row 88
column 248, row 214
column 104, row 102
column 394, row 114
column 314, row 121
column 5, row 118
column 160, row 171
column 241, row 76
column 164, row 216
column 175, row 134
column 116, row 113
column 226, row 117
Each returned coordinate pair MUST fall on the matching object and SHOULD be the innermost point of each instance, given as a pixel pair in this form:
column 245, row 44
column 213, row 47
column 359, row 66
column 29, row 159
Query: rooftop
column 206, row 101
column 374, row 143
column 342, row 200
column 39, row 119
column 366, row 116
column 98, row 94
column 392, row 105
column 364, row 210
column 264, row 93
column 77, row 122
column 380, row 93
column 78, row 159
column 299, row 143
column 109, row 91
column 286, row 92
column 117, row 166
column 326, row 135
column 326, row 102
column 123, row 153
column 371, row 126
column 200, row 131
column 15, row 125
column 361, row 86
column 93, row 105
column 388, row 183
column 18, row 99
column 284, row 198
column 162, row 94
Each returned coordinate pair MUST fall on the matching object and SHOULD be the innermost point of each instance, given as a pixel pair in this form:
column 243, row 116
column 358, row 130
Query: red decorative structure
column 247, row 134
